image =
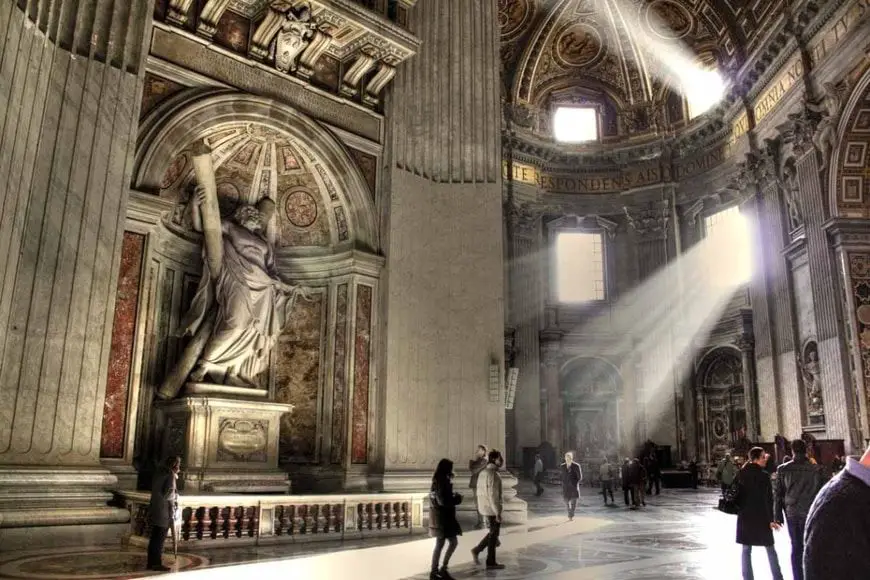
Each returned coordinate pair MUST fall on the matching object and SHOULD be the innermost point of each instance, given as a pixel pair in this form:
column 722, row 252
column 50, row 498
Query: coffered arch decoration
column 260, row 148
column 721, row 408
column 849, row 182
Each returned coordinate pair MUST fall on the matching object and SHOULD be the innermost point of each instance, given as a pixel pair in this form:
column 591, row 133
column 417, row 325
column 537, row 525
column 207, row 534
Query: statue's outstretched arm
column 209, row 210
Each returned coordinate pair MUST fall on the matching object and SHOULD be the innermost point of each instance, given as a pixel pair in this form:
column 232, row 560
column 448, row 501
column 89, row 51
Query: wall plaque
column 242, row 440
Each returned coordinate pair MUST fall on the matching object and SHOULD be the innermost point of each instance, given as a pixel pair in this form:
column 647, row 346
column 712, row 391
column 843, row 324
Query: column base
column 55, row 506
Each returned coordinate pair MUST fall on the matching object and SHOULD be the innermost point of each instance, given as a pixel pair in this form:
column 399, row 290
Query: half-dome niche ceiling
column 254, row 161
column 604, row 52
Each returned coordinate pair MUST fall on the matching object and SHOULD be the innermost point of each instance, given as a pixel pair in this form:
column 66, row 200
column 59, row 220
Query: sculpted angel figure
column 293, row 38
column 241, row 305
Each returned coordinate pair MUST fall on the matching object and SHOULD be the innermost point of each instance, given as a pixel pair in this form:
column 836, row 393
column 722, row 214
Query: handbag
column 729, row 503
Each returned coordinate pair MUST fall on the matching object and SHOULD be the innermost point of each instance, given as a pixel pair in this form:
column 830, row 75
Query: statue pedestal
column 227, row 438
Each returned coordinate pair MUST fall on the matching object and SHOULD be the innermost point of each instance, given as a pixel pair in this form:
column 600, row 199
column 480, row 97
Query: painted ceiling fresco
column 605, row 46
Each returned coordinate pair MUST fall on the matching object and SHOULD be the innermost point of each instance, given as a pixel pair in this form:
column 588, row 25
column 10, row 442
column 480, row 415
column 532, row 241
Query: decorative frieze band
column 650, row 223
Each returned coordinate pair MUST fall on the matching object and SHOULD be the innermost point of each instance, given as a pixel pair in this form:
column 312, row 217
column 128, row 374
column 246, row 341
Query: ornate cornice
column 650, row 223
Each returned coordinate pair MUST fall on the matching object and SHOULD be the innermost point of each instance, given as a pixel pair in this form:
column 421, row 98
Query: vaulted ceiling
column 578, row 49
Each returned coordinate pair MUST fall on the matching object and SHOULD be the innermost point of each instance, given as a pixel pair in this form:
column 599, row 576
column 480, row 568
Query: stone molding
column 650, row 223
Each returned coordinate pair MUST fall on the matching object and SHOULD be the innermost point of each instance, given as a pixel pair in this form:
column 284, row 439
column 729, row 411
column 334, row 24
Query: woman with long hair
column 443, row 525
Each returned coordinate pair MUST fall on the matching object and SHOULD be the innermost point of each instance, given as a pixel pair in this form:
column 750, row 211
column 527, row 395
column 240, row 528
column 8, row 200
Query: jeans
column 439, row 546
column 637, row 495
column 572, row 505
column 796, row 525
column 625, row 492
column 771, row 557
column 155, row 545
column 490, row 540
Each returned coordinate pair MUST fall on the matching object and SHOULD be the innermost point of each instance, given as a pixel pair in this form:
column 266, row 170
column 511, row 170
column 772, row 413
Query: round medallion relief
column 578, row 45
column 863, row 313
column 300, row 208
column 174, row 171
column 91, row 564
column 668, row 19
column 512, row 14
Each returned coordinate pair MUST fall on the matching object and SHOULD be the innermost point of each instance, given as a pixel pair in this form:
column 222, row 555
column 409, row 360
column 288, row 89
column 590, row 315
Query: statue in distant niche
column 296, row 33
column 241, row 305
column 790, row 194
column 812, row 382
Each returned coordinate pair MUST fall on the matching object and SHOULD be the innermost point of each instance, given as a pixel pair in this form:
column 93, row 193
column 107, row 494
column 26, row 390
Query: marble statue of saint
column 241, row 305
column 293, row 38
column 812, row 378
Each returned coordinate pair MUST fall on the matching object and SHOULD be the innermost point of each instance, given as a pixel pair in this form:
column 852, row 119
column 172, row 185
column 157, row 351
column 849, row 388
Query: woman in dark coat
column 443, row 525
column 755, row 522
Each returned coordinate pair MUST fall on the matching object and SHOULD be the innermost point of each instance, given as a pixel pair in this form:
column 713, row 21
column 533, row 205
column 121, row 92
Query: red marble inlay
column 361, row 344
column 339, row 380
column 121, row 353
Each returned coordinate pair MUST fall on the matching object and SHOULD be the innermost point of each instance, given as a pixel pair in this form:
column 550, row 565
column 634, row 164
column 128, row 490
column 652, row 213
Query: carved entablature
column 650, row 223
column 360, row 47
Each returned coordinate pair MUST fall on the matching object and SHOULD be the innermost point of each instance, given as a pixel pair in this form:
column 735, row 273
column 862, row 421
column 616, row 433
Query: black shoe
column 159, row 568
column 476, row 557
column 443, row 574
column 495, row 566
column 435, row 575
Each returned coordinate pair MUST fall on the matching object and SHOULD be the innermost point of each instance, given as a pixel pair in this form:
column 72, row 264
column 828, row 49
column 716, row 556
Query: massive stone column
column 657, row 396
column 69, row 91
column 524, row 286
column 442, row 236
column 839, row 405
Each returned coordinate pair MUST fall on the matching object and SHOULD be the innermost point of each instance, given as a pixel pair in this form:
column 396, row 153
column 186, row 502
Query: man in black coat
column 755, row 523
column 164, row 504
column 797, row 483
column 571, row 478
column 838, row 526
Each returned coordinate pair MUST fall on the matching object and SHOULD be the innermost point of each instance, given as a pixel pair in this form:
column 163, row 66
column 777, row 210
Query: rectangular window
column 579, row 267
column 575, row 124
column 727, row 241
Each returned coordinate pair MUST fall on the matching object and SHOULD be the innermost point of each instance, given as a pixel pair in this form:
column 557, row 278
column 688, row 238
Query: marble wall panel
column 121, row 352
column 790, row 399
column 859, row 270
column 339, row 382
column 767, row 397
column 297, row 380
column 156, row 90
column 803, row 293
column 233, row 32
column 362, row 356
column 368, row 165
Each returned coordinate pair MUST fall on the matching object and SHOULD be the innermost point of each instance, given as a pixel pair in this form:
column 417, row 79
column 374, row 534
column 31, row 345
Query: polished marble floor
column 678, row 536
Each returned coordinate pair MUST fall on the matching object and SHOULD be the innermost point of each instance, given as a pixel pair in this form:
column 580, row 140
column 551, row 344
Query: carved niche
column 811, row 374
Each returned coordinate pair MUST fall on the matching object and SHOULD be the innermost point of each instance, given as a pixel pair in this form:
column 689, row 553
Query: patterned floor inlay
column 90, row 564
column 677, row 536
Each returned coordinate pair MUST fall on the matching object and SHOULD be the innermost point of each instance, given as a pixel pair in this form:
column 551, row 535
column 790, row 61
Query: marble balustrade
column 233, row 520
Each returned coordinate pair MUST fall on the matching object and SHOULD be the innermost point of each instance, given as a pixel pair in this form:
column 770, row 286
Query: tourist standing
column 475, row 466
column 606, row 476
column 637, row 483
column 755, row 522
column 726, row 472
column 571, row 476
column 624, row 476
column 538, row 475
column 797, row 483
column 489, row 505
column 654, row 474
column 693, row 473
column 162, row 509
column 838, row 526
column 443, row 525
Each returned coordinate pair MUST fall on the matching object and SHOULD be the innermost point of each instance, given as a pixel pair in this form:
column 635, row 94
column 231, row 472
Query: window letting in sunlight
column 579, row 267
column 727, row 234
column 704, row 89
column 575, row 124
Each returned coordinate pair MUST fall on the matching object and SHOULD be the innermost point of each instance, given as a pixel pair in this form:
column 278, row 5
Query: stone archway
column 591, row 391
column 721, row 403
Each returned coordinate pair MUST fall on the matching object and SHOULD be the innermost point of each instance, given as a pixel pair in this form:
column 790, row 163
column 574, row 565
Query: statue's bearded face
column 249, row 218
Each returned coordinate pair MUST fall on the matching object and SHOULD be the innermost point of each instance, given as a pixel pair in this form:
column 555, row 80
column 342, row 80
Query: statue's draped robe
column 249, row 308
